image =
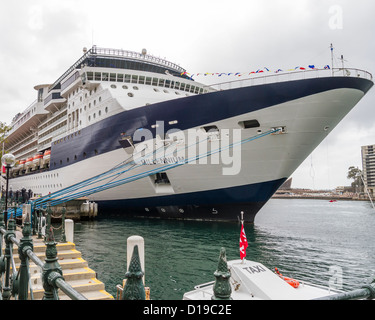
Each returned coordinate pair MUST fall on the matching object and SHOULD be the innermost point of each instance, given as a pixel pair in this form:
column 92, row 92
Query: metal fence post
column 8, row 255
column 51, row 270
column 222, row 289
column 134, row 288
column 26, row 243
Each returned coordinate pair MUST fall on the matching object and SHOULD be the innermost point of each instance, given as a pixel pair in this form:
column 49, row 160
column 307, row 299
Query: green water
column 303, row 238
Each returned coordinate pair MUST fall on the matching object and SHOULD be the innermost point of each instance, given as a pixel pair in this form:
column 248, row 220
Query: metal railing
column 17, row 284
column 290, row 76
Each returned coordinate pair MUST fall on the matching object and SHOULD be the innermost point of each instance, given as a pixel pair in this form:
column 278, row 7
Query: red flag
column 243, row 243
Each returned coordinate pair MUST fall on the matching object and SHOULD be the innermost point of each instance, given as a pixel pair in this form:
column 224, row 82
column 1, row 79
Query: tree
column 355, row 174
column 4, row 129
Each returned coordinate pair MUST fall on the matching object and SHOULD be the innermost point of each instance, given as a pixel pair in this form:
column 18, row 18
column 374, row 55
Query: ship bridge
column 123, row 59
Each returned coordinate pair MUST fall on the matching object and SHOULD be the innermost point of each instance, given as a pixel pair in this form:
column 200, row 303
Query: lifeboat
column 29, row 163
column 21, row 164
column 46, row 157
column 37, row 160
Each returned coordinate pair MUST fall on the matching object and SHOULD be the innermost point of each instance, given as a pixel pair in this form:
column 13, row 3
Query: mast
column 332, row 59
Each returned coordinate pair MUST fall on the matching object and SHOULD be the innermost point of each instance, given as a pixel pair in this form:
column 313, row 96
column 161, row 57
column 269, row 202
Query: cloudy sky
column 40, row 39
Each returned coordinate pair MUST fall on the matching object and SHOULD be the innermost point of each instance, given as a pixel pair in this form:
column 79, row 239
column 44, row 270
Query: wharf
column 77, row 209
column 76, row 271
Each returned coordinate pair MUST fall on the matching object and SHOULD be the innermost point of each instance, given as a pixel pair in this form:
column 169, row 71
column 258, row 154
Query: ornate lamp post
column 8, row 161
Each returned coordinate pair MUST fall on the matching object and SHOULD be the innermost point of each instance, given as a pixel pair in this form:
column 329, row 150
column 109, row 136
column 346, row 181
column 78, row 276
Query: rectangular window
column 177, row 85
column 105, row 76
column 113, row 77
column 98, row 76
column 141, row 80
column 155, row 81
column 187, row 88
column 192, row 89
column 247, row 124
column 161, row 82
column 148, row 80
column 127, row 78
column 134, row 78
column 90, row 76
column 182, row 86
column 120, row 77
column 167, row 83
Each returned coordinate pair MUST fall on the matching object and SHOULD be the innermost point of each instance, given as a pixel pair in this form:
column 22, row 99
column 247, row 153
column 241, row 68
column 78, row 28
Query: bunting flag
column 265, row 69
column 243, row 243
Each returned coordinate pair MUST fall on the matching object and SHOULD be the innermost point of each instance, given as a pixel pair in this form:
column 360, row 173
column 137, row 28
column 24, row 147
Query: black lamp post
column 8, row 160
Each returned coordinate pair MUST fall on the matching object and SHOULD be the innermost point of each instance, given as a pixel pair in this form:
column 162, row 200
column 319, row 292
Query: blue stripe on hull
column 220, row 204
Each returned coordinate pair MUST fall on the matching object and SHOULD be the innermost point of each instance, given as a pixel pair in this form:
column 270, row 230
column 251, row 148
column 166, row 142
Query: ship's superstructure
column 86, row 123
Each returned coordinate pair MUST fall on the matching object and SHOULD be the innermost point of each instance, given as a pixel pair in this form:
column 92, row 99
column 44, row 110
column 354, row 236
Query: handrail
column 294, row 75
column 54, row 278
column 137, row 56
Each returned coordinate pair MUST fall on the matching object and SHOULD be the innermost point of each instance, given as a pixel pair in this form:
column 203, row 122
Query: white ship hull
column 264, row 163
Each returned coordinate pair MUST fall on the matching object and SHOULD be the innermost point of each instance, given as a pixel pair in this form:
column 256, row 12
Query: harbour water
column 328, row 243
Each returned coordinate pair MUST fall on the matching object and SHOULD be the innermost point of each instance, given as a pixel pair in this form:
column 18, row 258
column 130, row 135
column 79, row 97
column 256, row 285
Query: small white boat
column 250, row 280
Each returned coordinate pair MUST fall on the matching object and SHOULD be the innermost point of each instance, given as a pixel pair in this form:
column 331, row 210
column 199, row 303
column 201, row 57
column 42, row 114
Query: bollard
column 69, row 230
column 222, row 289
column 63, row 231
column 26, row 211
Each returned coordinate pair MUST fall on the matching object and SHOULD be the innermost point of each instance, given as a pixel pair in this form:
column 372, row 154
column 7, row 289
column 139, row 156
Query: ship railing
column 17, row 283
column 290, row 76
column 137, row 56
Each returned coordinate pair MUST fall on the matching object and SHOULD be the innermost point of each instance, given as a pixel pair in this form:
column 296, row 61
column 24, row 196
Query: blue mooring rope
column 67, row 194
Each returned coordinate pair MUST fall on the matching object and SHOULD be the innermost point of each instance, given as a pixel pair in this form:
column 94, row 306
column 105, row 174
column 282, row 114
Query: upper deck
column 122, row 59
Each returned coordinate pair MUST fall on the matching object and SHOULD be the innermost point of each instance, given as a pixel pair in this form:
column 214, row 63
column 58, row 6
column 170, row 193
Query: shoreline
column 328, row 198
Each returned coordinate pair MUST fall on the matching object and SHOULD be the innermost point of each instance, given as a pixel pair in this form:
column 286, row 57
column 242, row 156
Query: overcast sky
column 40, row 39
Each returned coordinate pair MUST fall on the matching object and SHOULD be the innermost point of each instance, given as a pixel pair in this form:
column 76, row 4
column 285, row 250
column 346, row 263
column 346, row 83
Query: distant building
column 286, row 185
column 368, row 167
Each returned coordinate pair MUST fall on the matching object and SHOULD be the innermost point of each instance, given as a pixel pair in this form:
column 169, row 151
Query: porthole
column 106, row 109
column 113, row 86
column 130, row 94
column 135, row 88
column 165, row 91
column 156, row 90
column 124, row 86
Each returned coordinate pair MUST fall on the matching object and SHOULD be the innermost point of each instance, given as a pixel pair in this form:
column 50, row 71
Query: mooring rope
column 67, row 193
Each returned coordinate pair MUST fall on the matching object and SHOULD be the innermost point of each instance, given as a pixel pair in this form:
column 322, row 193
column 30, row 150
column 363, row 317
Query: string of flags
column 264, row 70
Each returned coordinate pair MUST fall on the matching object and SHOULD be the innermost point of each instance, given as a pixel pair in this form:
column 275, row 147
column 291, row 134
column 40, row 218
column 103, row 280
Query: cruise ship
column 186, row 150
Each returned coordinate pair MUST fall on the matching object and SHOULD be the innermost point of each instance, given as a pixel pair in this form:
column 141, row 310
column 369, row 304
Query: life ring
column 293, row 282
